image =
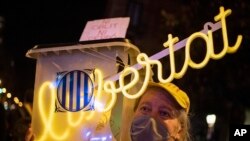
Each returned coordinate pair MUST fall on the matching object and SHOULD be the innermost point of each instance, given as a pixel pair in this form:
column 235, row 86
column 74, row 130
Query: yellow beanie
column 179, row 95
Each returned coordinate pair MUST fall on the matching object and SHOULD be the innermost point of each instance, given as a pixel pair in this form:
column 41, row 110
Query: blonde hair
column 183, row 118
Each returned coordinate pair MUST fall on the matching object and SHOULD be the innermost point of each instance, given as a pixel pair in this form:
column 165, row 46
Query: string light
column 4, row 90
column 16, row 100
column 20, row 104
column 8, row 95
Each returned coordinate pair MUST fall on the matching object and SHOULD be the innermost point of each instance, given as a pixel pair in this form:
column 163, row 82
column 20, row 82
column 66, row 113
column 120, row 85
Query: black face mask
column 146, row 128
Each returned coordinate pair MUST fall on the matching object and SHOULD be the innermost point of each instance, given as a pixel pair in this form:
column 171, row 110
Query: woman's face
column 156, row 104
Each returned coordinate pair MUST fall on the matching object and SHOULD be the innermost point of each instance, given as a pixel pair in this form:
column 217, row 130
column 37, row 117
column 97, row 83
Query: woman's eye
column 164, row 114
column 145, row 109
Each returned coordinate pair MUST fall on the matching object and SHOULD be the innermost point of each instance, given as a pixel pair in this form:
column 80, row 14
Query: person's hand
column 29, row 135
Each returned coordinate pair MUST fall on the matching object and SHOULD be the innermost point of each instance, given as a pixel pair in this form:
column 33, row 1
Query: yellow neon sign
column 222, row 16
column 146, row 63
column 48, row 119
column 108, row 88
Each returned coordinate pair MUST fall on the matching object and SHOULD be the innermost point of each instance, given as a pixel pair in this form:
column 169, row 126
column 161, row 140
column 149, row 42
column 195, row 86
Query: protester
column 161, row 114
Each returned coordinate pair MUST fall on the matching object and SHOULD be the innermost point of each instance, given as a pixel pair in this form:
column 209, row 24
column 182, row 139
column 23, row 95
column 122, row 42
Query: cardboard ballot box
column 66, row 105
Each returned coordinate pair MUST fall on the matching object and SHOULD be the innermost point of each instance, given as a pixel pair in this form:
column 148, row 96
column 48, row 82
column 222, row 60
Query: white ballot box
column 69, row 104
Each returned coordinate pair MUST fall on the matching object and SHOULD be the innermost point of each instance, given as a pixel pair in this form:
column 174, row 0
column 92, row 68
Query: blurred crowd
column 15, row 120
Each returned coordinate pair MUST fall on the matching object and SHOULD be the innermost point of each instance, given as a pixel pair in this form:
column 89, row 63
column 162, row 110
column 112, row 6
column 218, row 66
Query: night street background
column 222, row 87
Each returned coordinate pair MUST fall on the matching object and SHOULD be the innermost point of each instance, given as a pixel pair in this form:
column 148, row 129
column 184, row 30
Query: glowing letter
column 222, row 16
column 170, row 43
column 47, row 119
column 132, row 83
column 187, row 50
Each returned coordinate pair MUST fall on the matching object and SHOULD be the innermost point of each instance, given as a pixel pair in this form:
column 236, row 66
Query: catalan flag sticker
column 75, row 91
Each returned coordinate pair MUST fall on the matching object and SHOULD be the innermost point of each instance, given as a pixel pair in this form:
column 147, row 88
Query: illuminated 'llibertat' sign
column 108, row 87
column 146, row 62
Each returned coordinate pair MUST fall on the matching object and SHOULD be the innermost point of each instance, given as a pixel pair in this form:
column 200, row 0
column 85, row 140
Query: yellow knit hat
column 179, row 95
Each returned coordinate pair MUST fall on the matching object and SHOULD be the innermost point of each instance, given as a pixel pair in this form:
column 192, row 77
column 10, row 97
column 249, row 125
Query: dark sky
column 44, row 22
column 27, row 24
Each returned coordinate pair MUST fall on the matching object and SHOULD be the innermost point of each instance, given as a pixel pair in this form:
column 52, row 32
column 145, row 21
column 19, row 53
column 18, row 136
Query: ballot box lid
column 58, row 48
